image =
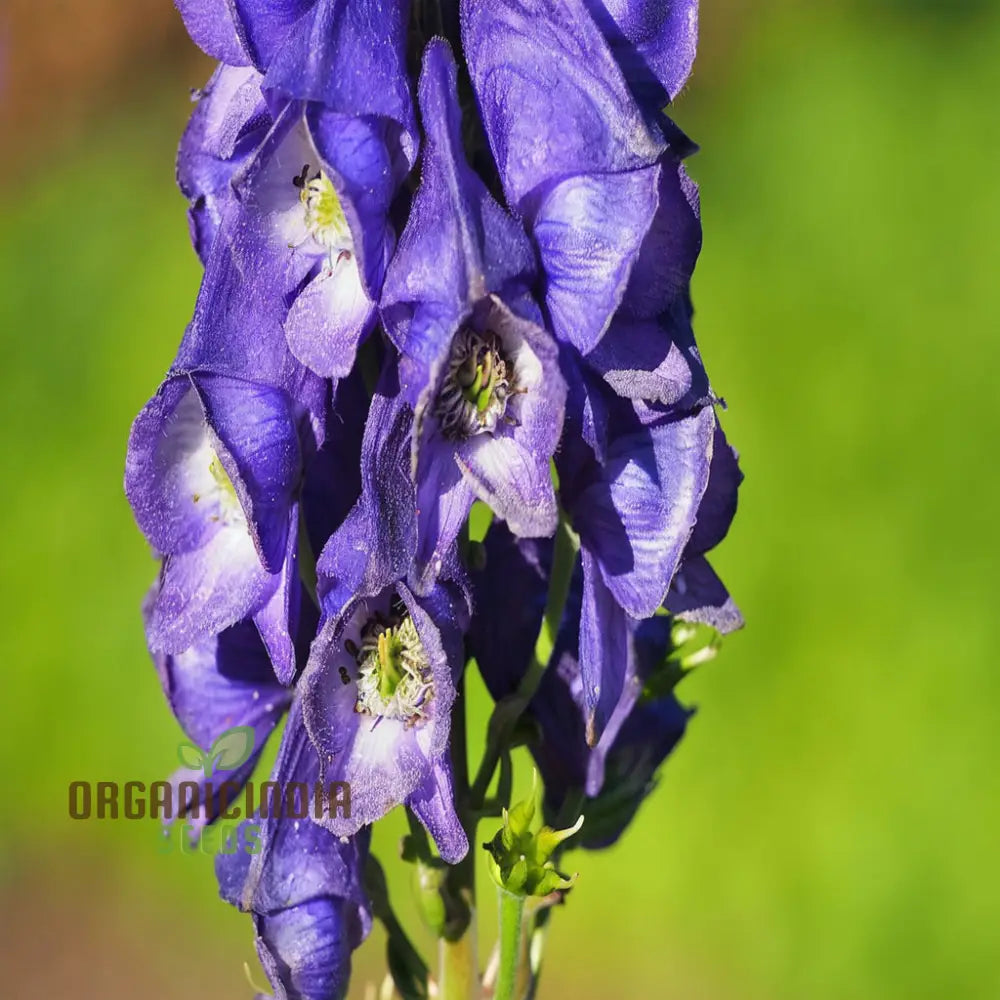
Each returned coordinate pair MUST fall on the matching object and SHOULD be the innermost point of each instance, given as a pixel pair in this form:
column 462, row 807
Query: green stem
column 459, row 979
column 511, row 923
column 565, row 548
column 509, row 710
column 307, row 558
column 458, row 959
column 408, row 969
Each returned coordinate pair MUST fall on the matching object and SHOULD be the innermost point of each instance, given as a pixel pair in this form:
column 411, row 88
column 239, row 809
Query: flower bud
column 519, row 860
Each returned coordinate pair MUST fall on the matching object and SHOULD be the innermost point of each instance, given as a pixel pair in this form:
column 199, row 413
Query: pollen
column 478, row 383
column 222, row 495
column 325, row 221
column 394, row 677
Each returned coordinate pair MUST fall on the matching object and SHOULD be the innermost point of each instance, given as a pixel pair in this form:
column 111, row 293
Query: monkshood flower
column 576, row 156
column 222, row 682
column 301, row 252
column 480, row 373
column 212, row 473
column 616, row 773
column 229, row 122
column 631, row 553
column 377, row 696
column 515, row 581
column 378, row 689
column 632, row 480
column 304, row 888
column 314, row 199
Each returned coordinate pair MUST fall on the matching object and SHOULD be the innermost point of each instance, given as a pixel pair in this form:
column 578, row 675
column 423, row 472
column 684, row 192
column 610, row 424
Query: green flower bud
column 519, row 860
column 441, row 903
column 429, row 882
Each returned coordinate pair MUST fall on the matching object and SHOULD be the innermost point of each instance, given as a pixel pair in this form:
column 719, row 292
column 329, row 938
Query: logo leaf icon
column 231, row 749
column 190, row 756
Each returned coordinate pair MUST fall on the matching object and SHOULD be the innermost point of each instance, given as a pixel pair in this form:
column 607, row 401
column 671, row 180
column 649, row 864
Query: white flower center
column 221, row 494
column 477, row 386
column 324, row 215
column 394, row 677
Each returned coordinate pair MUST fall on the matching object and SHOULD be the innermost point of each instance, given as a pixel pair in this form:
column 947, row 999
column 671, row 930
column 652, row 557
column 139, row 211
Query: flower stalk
column 458, row 956
column 447, row 251
column 511, row 907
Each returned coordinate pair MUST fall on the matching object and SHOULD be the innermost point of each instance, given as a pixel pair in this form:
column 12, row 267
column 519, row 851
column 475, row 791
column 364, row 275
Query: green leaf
column 190, row 755
column 232, row 748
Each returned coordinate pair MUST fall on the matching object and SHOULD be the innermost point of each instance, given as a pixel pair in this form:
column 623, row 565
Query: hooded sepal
column 575, row 155
column 553, row 100
column 458, row 244
column 347, row 56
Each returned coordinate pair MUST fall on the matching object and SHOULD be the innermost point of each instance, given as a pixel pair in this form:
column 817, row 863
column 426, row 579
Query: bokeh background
column 828, row 829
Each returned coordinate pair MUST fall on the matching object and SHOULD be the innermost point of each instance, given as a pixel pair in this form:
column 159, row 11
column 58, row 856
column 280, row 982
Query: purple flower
column 222, row 682
column 379, row 686
column 620, row 770
column 300, row 254
column 303, row 210
column 615, row 772
column 623, row 570
column 213, row 467
column 303, row 887
column 384, row 729
column 577, row 159
column 481, row 374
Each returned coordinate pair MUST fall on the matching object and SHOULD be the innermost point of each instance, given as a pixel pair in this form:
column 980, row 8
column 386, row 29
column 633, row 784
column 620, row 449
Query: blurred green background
column 828, row 827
